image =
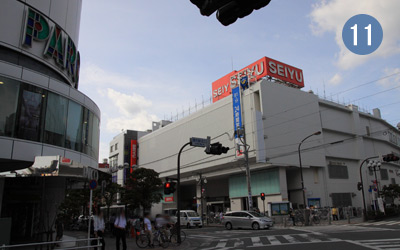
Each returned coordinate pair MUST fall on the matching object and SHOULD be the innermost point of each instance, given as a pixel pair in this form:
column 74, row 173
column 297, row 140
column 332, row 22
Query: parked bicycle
column 173, row 239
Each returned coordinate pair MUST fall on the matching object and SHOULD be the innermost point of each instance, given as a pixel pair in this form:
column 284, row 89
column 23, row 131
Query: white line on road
column 256, row 241
column 290, row 238
column 273, row 240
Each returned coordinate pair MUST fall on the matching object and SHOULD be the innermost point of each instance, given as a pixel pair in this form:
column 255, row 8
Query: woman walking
column 99, row 226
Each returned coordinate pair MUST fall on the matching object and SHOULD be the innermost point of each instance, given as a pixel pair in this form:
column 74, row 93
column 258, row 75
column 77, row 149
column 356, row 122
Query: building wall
column 44, row 113
column 288, row 116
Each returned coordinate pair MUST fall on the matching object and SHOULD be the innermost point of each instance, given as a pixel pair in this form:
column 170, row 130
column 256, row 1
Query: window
column 392, row 181
column 31, row 105
column 116, row 146
column 56, row 119
column 384, row 174
column 338, row 172
column 96, row 136
column 280, row 208
column 74, row 127
column 111, row 149
column 368, row 132
column 341, row 199
column 9, row 91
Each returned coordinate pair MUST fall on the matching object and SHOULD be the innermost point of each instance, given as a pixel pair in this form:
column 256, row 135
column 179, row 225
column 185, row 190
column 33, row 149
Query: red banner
column 169, row 199
column 133, row 154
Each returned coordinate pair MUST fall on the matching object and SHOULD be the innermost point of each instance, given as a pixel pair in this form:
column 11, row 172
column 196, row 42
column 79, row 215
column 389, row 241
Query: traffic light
column 228, row 11
column 216, row 149
column 262, row 196
column 359, row 186
column 169, row 187
column 390, row 157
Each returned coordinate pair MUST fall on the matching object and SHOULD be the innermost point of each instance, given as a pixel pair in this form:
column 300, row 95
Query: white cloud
column 330, row 16
column 128, row 104
column 94, row 76
column 336, row 79
column 141, row 121
column 393, row 78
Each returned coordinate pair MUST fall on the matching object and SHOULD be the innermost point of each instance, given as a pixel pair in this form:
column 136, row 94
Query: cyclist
column 148, row 228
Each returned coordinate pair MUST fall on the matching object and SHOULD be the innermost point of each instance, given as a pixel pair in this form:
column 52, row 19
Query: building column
column 283, row 183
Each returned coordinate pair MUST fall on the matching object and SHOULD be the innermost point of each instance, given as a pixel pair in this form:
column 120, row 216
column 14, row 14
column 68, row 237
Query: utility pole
column 248, row 176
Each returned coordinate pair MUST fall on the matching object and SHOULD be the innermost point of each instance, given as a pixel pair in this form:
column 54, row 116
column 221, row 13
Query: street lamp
column 301, row 166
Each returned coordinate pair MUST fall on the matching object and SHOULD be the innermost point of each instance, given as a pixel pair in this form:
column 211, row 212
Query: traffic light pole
column 178, row 194
column 362, row 189
column 248, row 176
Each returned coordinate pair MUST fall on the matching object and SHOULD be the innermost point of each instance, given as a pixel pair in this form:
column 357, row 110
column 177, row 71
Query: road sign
column 199, row 142
column 93, row 184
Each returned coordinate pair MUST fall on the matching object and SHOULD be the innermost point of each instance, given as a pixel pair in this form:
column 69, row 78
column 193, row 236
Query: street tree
column 109, row 196
column 392, row 191
column 142, row 189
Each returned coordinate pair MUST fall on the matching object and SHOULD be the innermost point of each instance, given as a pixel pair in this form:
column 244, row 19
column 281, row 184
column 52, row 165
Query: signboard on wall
column 133, row 153
column 261, row 68
column 169, row 199
column 237, row 120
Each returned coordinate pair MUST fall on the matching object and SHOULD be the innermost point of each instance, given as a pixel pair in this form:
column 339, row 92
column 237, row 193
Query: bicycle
column 173, row 239
column 159, row 239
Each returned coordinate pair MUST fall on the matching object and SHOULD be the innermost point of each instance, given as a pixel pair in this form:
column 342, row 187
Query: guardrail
column 25, row 246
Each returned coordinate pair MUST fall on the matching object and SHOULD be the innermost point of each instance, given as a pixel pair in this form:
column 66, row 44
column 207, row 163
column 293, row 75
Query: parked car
column 246, row 219
column 189, row 218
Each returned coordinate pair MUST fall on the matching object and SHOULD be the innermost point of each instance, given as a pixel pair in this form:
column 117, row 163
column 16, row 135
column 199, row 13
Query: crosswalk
column 380, row 244
column 270, row 240
column 379, row 223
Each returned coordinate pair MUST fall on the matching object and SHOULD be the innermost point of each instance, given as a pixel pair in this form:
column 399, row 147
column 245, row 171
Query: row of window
column 341, row 172
column 32, row 113
column 112, row 147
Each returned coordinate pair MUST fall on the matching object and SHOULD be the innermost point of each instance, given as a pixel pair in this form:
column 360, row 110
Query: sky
column 143, row 61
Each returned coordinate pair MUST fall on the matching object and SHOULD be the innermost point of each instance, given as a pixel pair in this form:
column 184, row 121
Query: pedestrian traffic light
column 390, row 157
column 216, row 149
column 228, row 11
column 262, row 196
column 169, row 187
column 359, row 186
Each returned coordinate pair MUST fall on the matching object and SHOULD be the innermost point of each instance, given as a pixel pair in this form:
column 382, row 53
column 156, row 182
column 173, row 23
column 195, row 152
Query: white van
column 190, row 218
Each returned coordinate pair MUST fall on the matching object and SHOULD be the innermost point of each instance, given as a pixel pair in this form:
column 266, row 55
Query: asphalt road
column 384, row 235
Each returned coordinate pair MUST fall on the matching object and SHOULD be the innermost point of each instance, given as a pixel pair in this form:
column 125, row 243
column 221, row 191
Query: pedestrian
column 120, row 226
column 148, row 229
column 335, row 213
column 99, row 226
column 111, row 223
column 292, row 217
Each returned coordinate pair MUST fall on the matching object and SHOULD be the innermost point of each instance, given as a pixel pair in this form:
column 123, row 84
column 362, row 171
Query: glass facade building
column 35, row 114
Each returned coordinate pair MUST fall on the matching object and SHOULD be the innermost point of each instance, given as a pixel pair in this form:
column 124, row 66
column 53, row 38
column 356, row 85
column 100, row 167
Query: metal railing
column 51, row 243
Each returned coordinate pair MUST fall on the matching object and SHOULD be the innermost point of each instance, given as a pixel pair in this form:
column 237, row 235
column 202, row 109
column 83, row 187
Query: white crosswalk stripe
column 380, row 244
column 234, row 243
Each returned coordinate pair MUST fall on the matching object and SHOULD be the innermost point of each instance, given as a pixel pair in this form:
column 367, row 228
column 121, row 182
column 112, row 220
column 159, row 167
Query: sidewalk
column 110, row 241
column 355, row 220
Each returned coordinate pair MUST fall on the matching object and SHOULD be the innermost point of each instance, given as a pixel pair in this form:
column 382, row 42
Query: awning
column 55, row 166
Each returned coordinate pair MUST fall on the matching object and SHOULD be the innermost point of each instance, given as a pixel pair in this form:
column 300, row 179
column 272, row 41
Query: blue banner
column 237, row 109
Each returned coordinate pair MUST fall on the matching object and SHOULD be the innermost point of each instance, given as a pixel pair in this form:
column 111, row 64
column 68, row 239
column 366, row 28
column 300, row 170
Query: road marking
column 256, row 241
column 273, row 240
column 290, row 238
column 393, row 223
column 222, row 243
column 309, row 238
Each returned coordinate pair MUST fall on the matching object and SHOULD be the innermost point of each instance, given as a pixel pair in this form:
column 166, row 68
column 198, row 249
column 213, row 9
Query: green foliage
column 392, row 192
column 75, row 201
column 142, row 188
column 109, row 197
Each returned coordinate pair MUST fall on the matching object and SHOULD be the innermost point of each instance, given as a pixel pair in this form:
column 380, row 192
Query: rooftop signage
column 264, row 67
column 57, row 44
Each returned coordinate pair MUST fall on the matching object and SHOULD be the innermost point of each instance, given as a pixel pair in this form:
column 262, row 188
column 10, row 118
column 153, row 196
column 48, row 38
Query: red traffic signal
column 390, row 157
column 169, row 187
column 262, row 196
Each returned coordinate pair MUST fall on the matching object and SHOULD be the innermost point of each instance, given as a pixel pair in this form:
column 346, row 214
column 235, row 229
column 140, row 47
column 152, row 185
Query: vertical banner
column 237, row 121
column 133, row 154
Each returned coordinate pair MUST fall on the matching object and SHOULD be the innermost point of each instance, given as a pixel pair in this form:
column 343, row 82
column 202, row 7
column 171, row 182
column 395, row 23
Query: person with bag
column 120, row 225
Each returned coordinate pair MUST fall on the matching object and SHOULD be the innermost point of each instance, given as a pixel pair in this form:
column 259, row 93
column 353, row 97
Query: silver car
column 246, row 219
